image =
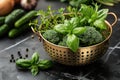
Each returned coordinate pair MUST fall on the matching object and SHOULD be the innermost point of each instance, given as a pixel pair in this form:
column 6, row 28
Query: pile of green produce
column 76, row 3
column 77, row 28
column 16, row 22
column 34, row 64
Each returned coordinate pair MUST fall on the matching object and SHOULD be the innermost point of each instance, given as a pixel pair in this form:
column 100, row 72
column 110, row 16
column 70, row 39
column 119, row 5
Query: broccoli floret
column 90, row 36
column 63, row 42
column 52, row 36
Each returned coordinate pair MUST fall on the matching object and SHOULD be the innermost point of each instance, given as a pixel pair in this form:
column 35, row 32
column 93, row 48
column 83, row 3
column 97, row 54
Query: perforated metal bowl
column 84, row 55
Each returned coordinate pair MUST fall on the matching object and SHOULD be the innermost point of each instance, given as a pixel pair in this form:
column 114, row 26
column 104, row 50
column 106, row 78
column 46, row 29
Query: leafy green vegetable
column 35, row 58
column 76, row 3
column 90, row 36
column 23, row 63
column 34, row 70
column 52, row 36
column 34, row 64
column 72, row 42
column 63, row 42
column 45, row 64
column 78, row 30
column 67, row 29
column 93, row 16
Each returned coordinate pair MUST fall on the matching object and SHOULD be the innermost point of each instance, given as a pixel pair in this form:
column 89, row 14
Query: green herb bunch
column 77, row 3
column 75, row 28
column 34, row 64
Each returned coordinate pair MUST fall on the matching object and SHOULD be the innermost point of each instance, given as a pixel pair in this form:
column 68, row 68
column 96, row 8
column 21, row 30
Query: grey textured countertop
column 108, row 68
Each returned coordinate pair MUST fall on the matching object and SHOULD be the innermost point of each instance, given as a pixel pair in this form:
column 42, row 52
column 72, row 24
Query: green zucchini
column 14, row 16
column 15, row 32
column 2, row 20
column 26, row 18
column 4, row 29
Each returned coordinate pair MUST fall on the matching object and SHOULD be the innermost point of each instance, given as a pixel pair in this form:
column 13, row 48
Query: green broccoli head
column 63, row 42
column 52, row 36
column 90, row 36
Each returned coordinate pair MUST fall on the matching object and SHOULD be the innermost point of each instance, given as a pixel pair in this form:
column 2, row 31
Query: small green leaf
column 35, row 58
column 45, row 64
column 102, row 14
column 72, row 42
column 100, row 24
column 78, row 30
column 23, row 63
column 34, row 70
column 61, row 28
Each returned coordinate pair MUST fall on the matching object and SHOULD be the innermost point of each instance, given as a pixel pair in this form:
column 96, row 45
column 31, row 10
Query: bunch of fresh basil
column 87, row 16
column 34, row 64
column 76, row 3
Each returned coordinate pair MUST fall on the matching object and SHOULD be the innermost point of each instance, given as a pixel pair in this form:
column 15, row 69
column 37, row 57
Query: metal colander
column 84, row 55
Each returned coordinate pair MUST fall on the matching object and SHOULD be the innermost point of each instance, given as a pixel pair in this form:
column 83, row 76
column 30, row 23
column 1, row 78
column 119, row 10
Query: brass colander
column 84, row 55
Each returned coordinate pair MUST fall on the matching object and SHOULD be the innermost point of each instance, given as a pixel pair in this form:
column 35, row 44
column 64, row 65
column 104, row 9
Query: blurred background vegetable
column 6, row 6
column 28, row 4
column 76, row 3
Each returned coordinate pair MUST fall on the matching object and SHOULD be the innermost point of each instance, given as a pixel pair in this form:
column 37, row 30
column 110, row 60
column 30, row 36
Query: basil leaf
column 102, row 14
column 35, row 58
column 100, row 24
column 78, row 30
column 61, row 28
column 23, row 63
column 34, row 70
column 72, row 42
column 74, row 21
column 45, row 64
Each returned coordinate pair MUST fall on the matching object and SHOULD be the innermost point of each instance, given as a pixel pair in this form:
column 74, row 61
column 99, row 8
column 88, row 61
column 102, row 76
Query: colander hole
column 47, row 46
column 64, row 55
column 60, row 57
column 56, row 50
column 64, row 58
column 82, row 52
column 68, row 55
column 87, row 55
column 91, row 51
column 48, row 49
column 60, row 51
column 73, row 59
column 87, row 58
column 82, row 59
column 82, row 55
column 53, row 55
column 56, row 53
column 64, row 52
column 69, row 61
column 53, row 49
column 60, row 54
column 87, row 51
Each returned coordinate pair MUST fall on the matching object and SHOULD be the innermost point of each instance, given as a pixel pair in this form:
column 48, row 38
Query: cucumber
column 14, row 16
column 4, row 30
column 26, row 18
column 15, row 32
column 2, row 20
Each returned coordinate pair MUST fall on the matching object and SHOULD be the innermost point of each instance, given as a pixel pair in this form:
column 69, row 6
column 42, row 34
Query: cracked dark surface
column 107, row 68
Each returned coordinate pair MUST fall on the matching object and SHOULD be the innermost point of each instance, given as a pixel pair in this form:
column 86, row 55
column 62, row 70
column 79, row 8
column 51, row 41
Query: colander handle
column 37, row 33
column 115, row 18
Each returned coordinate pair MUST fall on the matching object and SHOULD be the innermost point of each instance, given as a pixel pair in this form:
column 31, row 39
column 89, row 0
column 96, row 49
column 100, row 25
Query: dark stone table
column 107, row 68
